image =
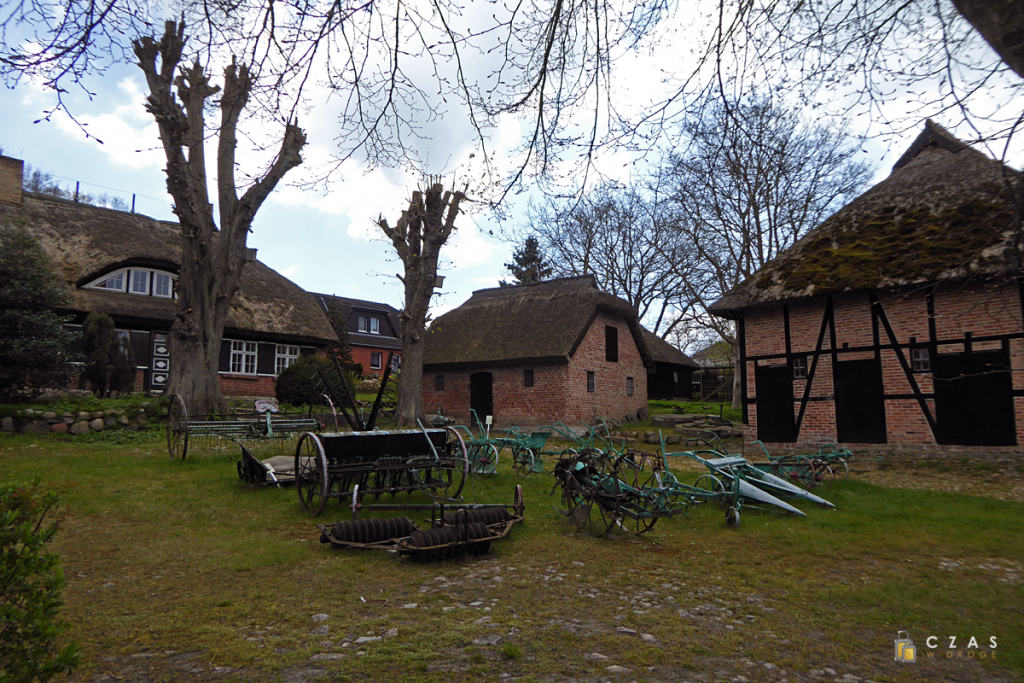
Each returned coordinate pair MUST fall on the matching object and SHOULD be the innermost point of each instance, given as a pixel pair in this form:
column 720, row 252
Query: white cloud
column 129, row 134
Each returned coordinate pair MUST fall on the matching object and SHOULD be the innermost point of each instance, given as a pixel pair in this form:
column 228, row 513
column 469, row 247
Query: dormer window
column 369, row 324
column 141, row 281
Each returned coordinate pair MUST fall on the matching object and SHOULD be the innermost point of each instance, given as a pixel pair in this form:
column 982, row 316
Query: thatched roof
column 944, row 213
column 663, row 352
column 537, row 323
column 85, row 242
column 389, row 337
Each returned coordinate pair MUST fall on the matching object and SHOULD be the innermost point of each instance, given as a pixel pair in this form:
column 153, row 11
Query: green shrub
column 30, row 585
column 299, row 384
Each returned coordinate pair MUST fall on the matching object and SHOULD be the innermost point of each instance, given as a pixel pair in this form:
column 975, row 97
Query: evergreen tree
column 343, row 350
column 33, row 342
column 527, row 265
column 109, row 359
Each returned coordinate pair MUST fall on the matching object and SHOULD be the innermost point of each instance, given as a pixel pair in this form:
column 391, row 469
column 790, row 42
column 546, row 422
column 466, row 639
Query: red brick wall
column 978, row 309
column 559, row 392
column 361, row 354
column 247, row 385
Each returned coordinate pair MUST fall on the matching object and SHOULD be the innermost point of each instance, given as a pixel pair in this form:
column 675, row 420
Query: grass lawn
column 177, row 572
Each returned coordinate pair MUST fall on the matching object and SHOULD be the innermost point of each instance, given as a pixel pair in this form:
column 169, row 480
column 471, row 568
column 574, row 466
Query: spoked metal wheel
column 635, row 509
column 522, row 460
column 177, row 428
column 484, row 459
column 824, row 474
column 713, row 485
column 601, row 511
column 311, row 474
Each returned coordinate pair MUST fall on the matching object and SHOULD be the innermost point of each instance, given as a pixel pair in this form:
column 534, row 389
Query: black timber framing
column 827, row 322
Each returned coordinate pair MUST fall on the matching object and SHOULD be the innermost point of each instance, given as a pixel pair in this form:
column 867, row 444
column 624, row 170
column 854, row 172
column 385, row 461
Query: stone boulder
column 80, row 427
column 96, row 424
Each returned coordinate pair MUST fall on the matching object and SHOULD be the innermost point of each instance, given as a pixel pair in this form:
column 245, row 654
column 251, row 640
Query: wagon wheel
column 601, row 507
column 799, row 467
column 177, row 428
column 311, row 474
column 458, row 468
column 241, row 470
column 522, row 460
column 518, row 502
column 635, row 468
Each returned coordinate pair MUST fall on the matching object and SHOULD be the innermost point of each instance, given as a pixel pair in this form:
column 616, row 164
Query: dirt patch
column 1003, row 481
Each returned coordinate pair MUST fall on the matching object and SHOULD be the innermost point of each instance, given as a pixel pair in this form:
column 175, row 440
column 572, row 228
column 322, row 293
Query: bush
column 109, row 358
column 299, row 384
column 30, row 585
column 33, row 342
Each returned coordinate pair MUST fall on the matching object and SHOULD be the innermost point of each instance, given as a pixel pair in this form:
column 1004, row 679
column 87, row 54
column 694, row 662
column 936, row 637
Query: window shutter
column 265, row 358
column 225, row 356
column 611, row 344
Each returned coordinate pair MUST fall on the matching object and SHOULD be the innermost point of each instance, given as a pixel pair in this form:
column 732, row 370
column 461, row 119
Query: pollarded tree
column 34, row 344
column 213, row 252
column 418, row 237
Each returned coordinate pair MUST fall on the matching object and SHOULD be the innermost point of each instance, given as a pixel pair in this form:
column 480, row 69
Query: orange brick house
column 897, row 323
column 560, row 350
column 373, row 329
column 126, row 265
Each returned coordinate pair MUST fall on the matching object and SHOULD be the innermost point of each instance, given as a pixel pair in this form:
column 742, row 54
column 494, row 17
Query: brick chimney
column 11, row 172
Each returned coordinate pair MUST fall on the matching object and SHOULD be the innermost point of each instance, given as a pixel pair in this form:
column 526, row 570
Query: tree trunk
column 418, row 237
column 1001, row 24
column 737, row 386
column 212, row 259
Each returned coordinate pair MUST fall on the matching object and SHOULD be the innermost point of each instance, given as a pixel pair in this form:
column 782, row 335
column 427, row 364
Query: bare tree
column 620, row 237
column 754, row 178
column 418, row 237
column 212, row 259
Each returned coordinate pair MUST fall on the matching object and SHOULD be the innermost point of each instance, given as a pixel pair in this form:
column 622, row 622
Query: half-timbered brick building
column 897, row 323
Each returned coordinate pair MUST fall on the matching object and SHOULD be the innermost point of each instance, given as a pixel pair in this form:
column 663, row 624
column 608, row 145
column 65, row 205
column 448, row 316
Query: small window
column 611, row 344
column 527, row 378
column 115, row 282
column 439, row 383
column 364, row 324
column 140, row 281
column 800, row 367
column 375, row 361
column 374, row 326
column 243, row 357
column 920, row 360
column 284, row 357
column 162, row 285
column 591, row 382
column 629, row 386
column 396, row 363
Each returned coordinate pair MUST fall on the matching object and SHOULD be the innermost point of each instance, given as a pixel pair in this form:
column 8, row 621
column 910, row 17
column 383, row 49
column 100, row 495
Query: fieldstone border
column 35, row 421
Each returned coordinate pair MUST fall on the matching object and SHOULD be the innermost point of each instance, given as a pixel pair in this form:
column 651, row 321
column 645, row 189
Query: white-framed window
column 162, row 285
column 376, row 360
column 363, row 324
column 374, row 326
column 140, row 281
column 629, row 386
column 284, row 356
column 396, row 363
column 243, row 357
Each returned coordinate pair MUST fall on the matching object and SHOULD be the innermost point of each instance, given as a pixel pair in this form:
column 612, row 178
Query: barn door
column 860, row 402
column 974, row 399
column 774, row 386
column 481, row 398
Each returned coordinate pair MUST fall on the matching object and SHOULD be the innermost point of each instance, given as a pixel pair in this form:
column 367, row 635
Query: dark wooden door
column 775, row 419
column 860, row 401
column 481, row 398
column 974, row 399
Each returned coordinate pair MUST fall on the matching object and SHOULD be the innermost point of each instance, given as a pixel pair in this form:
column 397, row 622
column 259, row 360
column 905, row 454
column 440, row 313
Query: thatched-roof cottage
column 556, row 350
column 897, row 321
column 672, row 377
column 374, row 331
column 126, row 265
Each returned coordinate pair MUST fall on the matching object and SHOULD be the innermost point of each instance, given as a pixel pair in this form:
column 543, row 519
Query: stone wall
column 39, row 421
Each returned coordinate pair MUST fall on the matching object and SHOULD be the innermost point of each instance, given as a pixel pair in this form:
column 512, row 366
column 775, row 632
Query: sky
column 324, row 241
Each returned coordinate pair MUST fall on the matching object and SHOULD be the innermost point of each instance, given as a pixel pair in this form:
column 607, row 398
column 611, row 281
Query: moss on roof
column 945, row 212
